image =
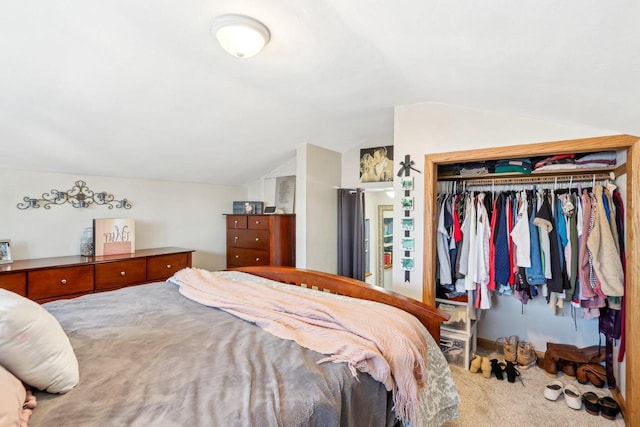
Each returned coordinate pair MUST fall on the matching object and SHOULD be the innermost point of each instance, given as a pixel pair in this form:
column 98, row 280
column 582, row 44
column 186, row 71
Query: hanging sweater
column 601, row 243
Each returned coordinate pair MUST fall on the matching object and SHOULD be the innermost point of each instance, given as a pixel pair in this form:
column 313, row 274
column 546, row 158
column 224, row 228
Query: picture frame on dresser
column 5, row 251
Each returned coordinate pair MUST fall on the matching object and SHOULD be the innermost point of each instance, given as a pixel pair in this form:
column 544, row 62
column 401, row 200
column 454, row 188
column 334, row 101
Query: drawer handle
column 168, row 265
column 235, row 238
column 122, row 273
column 257, row 239
column 237, row 256
column 63, row 281
column 257, row 222
column 257, row 259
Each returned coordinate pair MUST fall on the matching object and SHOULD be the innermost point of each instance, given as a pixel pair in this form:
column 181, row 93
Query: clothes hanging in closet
column 565, row 244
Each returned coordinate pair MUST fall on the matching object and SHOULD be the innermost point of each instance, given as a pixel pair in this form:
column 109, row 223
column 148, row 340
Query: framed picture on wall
column 406, row 182
column 407, row 264
column 408, row 244
column 407, row 203
column 5, row 251
column 376, row 164
column 285, row 193
column 406, row 223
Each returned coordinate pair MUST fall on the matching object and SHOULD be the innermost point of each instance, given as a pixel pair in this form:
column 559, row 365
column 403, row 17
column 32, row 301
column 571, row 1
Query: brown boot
column 581, row 374
column 595, row 373
column 550, row 366
column 593, row 354
column 568, row 368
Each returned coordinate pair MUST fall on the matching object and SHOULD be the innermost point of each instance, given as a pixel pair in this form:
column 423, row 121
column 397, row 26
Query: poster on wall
column 285, row 193
column 376, row 164
column 114, row 236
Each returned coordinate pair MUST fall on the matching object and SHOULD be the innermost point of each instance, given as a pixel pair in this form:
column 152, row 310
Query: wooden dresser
column 261, row 240
column 48, row 279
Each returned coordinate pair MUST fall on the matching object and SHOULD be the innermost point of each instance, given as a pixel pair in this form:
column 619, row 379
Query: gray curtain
column 351, row 262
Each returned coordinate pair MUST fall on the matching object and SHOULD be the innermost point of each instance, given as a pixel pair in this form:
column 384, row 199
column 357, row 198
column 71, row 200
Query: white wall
column 433, row 128
column 317, row 219
column 166, row 213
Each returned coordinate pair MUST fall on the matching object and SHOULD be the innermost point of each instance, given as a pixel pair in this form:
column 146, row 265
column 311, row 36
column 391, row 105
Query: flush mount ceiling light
column 240, row 35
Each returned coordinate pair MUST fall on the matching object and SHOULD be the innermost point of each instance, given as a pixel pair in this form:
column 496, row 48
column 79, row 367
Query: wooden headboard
column 429, row 316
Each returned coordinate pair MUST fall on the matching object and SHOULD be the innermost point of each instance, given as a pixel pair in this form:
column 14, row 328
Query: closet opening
column 619, row 143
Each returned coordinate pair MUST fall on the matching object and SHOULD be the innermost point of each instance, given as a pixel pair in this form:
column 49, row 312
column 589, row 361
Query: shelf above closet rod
column 528, row 179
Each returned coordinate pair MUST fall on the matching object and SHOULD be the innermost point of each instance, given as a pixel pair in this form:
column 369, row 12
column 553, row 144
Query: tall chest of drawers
column 261, row 240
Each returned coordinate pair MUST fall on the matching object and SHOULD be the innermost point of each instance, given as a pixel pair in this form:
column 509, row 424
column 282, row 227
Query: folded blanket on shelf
column 601, row 158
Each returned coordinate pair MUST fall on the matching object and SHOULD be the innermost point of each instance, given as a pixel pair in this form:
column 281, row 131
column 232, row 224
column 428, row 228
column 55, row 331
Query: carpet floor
column 490, row 402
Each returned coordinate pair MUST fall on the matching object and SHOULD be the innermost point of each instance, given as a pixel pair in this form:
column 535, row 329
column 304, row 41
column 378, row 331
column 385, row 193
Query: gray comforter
column 150, row 357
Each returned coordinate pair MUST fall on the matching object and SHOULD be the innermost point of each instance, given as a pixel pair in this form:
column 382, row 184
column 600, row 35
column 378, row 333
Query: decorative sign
column 114, row 236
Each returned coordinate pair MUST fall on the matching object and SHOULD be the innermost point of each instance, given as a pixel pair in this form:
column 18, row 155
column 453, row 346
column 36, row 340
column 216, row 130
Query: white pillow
column 34, row 347
column 12, row 397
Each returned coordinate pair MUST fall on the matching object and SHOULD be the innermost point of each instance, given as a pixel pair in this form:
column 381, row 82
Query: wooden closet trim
column 630, row 143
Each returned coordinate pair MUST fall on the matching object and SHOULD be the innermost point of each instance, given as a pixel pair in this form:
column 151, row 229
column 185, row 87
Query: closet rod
column 539, row 180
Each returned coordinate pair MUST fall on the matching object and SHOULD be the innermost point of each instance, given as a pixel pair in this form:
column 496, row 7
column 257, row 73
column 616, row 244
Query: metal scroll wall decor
column 80, row 196
column 407, row 222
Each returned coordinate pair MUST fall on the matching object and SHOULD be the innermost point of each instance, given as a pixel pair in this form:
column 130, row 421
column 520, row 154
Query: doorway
column 379, row 238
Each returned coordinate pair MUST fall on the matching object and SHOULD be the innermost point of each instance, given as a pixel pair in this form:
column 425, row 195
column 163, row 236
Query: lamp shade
column 241, row 36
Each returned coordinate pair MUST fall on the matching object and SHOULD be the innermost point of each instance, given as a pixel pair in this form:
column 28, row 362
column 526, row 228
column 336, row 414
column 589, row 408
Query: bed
column 147, row 355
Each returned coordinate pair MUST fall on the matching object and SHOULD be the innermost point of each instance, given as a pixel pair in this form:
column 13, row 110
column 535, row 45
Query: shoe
column 485, row 365
column 496, row 369
column 609, row 408
column 581, row 374
column 474, row 368
column 553, row 390
column 510, row 348
column 595, row 373
column 512, row 372
column 572, row 396
column 526, row 355
column 590, row 400
column 568, row 369
column 550, row 366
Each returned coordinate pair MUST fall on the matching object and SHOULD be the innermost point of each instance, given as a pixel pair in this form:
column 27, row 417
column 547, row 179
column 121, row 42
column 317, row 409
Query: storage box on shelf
column 458, row 334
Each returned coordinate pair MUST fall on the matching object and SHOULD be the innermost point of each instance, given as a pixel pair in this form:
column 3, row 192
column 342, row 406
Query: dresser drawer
column 236, row 221
column 258, row 222
column 162, row 267
column 250, row 239
column 14, row 282
column 239, row 257
column 60, row 281
column 121, row 273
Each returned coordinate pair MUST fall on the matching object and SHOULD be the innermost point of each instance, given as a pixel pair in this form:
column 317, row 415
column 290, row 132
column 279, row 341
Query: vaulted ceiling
column 140, row 88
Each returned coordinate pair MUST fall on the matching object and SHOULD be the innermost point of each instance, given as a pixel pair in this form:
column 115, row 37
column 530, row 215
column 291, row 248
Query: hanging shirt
column 466, row 236
column 535, row 273
column 442, row 247
column 520, row 233
column 502, row 265
column 469, row 279
column 482, row 242
column 545, row 220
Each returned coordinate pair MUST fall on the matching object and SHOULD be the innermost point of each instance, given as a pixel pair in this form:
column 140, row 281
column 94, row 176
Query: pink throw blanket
column 383, row 341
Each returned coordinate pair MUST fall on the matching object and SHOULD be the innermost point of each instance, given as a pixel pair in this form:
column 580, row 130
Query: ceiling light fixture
column 240, row 35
